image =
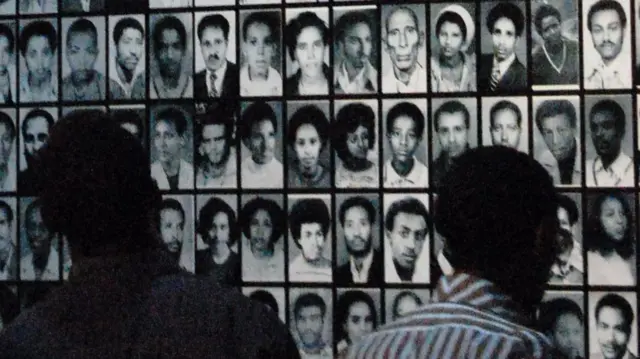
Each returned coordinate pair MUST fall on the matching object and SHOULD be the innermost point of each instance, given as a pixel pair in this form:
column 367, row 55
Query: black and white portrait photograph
column 502, row 67
column 38, row 65
column 171, row 137
column 355, row 142
column 39, row 256
column 127, row 57
column 8, row 151
column 358, row 249
column 608, row 135
column 263, row 226
column 401, row 302
column 9, row 255
column 568, row 268
column 259, row 2
column 171, row 51
column 562, row 318
column 455, row 130
column 164, row 4
column 9, row 304
column 8, row 7
column 8, row 48
column 407, row 228
column 613, row 323
column 606, row 25
column 405, row 147
column 555, row 45
column 209, row 3
column 84, row 59
column 310, row 238
column 261, row 53
column 216, row 69
column 310, row 321
column 260, row 131
column 357, row 312
column 505, row 122
column 355, row 50
column 453, row 61
column 35, row 124
column 272, row 297
column 306, row 42
column 556, row 138
column 404, row 51
column 216, row 147
column 308, row 144
column 176, row 229
column 610, row 238
column 217, row 232
column 130, row 117
column 37, row 6
column 82, row 6
column 66, row 110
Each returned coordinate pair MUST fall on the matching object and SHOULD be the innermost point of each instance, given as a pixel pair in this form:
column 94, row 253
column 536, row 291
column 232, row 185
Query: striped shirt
column 469, row 318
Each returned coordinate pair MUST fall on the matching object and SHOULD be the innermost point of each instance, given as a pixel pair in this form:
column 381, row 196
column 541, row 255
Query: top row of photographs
column 491, row 47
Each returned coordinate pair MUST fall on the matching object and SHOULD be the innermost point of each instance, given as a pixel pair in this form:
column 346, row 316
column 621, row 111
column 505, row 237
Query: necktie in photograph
column 214, row 91
column 495, row 78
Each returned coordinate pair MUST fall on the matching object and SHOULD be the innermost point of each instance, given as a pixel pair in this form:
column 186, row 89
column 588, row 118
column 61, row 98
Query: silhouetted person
column 126, row 296
column 501, row 266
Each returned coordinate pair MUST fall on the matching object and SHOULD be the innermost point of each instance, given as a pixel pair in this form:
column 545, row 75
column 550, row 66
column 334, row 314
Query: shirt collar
column 360, row 82
column 366, row 265
column 465, row 288
column 621, row 62
column 618, row 166
column 505, row 64
column 412, row 177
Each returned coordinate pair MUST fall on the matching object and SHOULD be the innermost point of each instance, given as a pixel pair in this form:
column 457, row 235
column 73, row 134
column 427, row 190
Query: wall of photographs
column 292, row 139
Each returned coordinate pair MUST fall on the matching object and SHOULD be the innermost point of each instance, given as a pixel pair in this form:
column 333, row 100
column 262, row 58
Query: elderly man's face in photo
column 358, row 142
column 307, row 147
column 213, row 46
column 551, row 30
column 172, row 229
column 611, row 333
column 6, row 236
column 171, row 53
column 6, row 55
column 559, row 135
column 357, row 231
column 38, row 234
column 262, row 141
column 39, row 57
column 6, row 144
column 309, row 52
column 261, row 229
column 167, row 141
column 407, row 238
column 452, row 133
column 403, row 138
column 504, row 38
column 259, row 47
column 505, row 129
column 357, row 45
column 309, row 323
column 36, row 135
column 312, row 240
column 403, row 40
column 82, row 53
column 607, row 34
column 214, row 143
column 129, row 49
column 606, row 135
column 568, row 335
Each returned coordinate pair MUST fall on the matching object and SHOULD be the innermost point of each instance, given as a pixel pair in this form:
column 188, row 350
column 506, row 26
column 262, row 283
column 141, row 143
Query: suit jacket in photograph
column 230, row 84
column 342, row 275
column 76, row 5
column 515, row 79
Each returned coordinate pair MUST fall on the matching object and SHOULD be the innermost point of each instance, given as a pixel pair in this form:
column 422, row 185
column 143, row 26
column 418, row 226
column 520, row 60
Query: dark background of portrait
column 22, row 65
column 390, row 295
column 486, row 43
column 12, row 57
column 420, row 11
column 100, row 24
column 187, row 61
column 24, row 111
column 290, row 14
column 187, row 257
column 370, row 11
column 278, row 294
column 201, row 200
column 294, row 251
column 292, row 106
column 13, row 113
column 326, row 295
column 632, row 298
column 435, row 9
column 187, row 151
column 142, row 62
column 422, row 151
column 375, row 295
column 277, row 108
column 374, row 153
column 141, row 111
column 471, row 105
column 342, row 256
column 522, row 103
column 627, row 142
column 231, row 45
column 279, row 49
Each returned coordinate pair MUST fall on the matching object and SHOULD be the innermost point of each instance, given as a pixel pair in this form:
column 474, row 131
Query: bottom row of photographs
column 325, row 326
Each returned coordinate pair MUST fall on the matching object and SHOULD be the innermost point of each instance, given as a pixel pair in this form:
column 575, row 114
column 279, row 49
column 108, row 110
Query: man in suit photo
column 219, row 78
column 501, row 70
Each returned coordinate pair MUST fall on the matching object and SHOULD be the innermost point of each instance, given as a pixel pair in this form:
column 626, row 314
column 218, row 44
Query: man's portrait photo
column 170, row 55
column 505, row 122
column 8, row 153
column 613, row 325
column 607, row 44
column 503, row 43
column 38, row 45
column 171, row 137
column 176, row 229
column 357, row 313
column 405, row 147
column 310, row 321
column 130, row 117
column 453, row 47
column 568, row 268
column 8, row 241
column 216, row 72
column 35, row 124
column 609, row 141
column 127, row 58
column 404, row 59
column 40, row 260
column 261, row 53
column 262, row 223
column 358, row 249
column 84, row 65
column 556, row 138
column 555, row 47
column 407, row 229
column 8, row 48
column 561, row 317
column 401, row 302
column 355, row 50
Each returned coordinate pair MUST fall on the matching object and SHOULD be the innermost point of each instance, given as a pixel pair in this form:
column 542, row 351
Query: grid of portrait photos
column 299, row 145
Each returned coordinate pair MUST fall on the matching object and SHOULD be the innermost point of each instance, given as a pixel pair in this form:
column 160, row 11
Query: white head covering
column 466, row 18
